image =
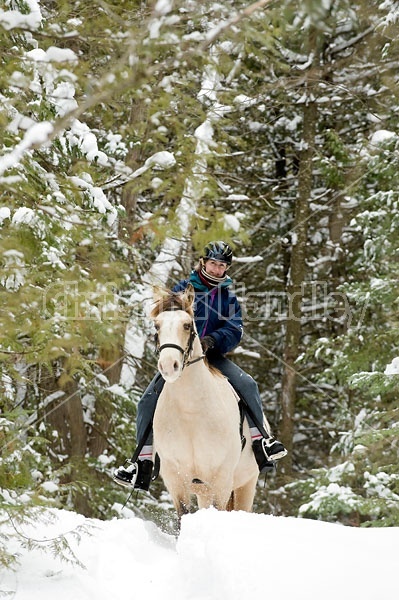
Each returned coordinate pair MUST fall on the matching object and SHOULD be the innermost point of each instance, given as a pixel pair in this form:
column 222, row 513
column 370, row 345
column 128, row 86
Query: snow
column 52, row 54
column 38, row 134
column 217, row 555
column 163, row 7
column 245, row 101
column 237, row 197
column 14, row 269
column 248, row 259
column 381, row 136
column 249, row 353
column 204, row 132
column 98, row 198
column 5, row 213
column 161, row 160
column 232, row 222
column 158, row 161
column 134, row 346
column 333, row 490
column 24, row 215
column 393, row 367
column 11, row 19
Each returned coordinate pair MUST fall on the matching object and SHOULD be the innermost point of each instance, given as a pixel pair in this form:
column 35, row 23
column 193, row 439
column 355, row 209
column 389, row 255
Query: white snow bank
column 217, row 556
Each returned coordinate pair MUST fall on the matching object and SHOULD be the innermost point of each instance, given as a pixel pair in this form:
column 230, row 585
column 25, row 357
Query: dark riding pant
column 245, row 386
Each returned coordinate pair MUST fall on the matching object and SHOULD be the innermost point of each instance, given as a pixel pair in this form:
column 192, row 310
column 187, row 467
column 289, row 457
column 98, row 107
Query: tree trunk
column 296, row 280
column 127, row 223
column 65, row 415
column 75, row 423
column 111, row 362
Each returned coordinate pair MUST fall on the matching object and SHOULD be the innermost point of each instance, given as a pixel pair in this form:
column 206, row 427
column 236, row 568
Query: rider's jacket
column 217, row 312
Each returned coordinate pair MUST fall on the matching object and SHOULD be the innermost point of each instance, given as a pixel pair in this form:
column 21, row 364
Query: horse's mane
column 172, row 301
column 214, row 370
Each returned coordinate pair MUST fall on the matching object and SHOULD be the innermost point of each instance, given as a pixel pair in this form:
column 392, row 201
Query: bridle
column 185, row 352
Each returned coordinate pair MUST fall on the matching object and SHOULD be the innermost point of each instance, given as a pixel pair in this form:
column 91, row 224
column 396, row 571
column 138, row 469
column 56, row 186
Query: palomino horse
column 197, row 419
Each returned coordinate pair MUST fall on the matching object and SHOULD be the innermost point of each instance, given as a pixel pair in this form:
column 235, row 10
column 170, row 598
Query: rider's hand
column 207, row 343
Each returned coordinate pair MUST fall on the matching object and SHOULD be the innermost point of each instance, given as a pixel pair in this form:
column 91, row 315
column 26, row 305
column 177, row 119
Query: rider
column 219, row 325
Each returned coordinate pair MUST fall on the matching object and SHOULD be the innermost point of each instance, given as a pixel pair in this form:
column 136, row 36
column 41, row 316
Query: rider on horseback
column 219, row 325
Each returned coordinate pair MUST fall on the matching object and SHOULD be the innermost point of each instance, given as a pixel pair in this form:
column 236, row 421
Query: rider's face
column 216, row 268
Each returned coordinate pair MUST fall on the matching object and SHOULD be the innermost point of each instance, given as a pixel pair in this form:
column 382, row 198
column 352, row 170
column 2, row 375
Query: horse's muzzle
column 170, row 367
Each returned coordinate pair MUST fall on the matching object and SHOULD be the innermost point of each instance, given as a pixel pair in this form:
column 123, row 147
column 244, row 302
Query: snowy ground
column 218, row 556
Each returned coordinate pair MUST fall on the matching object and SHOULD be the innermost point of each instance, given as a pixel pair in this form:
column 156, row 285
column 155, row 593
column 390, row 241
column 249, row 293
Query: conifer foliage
column 134, row 132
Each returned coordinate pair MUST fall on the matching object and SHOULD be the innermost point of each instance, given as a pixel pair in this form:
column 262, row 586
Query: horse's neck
column 197, row 349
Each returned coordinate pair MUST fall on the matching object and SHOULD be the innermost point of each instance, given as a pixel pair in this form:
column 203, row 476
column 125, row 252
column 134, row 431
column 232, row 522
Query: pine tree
column 134, row 134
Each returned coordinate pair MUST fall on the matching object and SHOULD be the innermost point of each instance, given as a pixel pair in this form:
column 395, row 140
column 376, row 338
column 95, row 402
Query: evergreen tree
column 132, row 134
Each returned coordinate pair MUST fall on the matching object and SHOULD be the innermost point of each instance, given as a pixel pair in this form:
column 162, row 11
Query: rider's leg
column 266, row 448
column 146, row 409
column 244, row 384
column 137, row 474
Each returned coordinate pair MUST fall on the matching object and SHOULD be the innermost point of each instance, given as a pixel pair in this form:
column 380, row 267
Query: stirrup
column 266, row 445
column 126, row 475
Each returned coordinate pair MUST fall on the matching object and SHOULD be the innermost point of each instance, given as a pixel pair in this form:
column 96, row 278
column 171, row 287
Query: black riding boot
column 135, row 475
column 267, row 451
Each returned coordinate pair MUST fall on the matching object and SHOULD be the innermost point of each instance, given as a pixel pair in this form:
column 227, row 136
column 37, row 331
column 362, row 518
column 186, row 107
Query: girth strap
column 242, row 417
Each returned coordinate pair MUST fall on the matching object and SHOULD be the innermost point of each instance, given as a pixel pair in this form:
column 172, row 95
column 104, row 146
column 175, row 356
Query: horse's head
column 173, row 318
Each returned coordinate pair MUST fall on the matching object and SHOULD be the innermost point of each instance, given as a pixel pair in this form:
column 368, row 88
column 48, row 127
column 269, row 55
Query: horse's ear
column 189, row 295
column 159, row 293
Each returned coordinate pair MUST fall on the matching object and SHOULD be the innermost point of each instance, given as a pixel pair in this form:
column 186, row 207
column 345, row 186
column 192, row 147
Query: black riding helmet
column 218, row 251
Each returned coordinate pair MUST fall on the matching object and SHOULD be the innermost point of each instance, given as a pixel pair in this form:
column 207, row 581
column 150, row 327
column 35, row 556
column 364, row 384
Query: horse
column 197, row 432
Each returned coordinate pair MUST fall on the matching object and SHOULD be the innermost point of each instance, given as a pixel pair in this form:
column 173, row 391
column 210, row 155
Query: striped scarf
column 210, row 280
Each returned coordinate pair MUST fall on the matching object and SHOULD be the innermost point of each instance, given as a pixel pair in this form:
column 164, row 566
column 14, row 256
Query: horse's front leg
column 217, row 497
column 243, row 497
column 180, row 497
column 182, row 507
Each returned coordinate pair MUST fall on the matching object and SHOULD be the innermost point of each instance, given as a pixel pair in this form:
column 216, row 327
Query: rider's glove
column 207, row 343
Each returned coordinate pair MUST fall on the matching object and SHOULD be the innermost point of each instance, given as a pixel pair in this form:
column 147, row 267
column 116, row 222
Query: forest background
column 134, row 132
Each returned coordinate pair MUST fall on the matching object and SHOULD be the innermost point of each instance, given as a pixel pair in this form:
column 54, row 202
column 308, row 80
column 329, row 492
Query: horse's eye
column 187, row 326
